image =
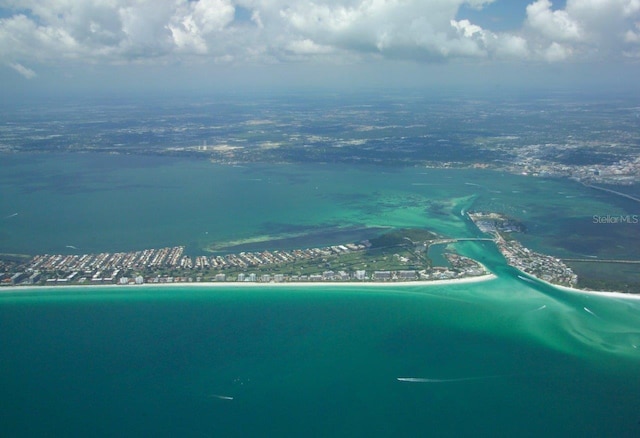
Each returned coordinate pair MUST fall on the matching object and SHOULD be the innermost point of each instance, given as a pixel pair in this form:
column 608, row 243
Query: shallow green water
column 118, row 203
column 504, row 357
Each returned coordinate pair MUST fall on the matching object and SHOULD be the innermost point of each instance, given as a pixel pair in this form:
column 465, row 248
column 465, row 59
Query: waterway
column 504, row 357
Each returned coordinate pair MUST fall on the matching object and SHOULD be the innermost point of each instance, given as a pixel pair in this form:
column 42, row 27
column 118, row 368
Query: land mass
column 395, row 256
column 591, row 140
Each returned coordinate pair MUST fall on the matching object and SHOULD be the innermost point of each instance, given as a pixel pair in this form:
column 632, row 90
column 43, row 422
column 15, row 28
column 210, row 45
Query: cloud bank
column 277, row 31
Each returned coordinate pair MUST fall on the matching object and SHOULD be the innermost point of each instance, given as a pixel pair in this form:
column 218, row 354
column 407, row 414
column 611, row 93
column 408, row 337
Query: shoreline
column 246, row 284
column 306, row 285
column 607, row 294
column 611, row 294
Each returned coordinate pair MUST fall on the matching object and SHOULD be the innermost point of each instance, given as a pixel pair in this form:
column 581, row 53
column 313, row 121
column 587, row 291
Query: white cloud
column 556, row 52
column 192, row 23
column 308, row 47
column 632, row 36
column 24, row 71
column 394, row 28
column 122, row 31
column 143, row 29
column 555, row 25
column 186, row 36
column 511, row 46
column 212, row 15
column 589, row 29
column 21, row 35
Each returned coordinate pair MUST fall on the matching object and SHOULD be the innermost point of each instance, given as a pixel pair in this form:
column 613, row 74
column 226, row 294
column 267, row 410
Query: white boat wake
column 429, row 380
column 221, row 397
column 526, row 279
column 586, row 309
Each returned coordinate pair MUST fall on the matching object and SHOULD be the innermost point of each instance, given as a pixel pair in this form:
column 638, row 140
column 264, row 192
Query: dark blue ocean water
column 321, row 362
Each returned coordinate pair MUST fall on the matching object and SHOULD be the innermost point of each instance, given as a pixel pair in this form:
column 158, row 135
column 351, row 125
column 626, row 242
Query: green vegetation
column 404, row 236
column 595, row 275
column 14, row 258
column 608, row 285
column 392, row 251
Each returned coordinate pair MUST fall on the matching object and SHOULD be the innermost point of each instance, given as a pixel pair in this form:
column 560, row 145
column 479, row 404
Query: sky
column 89, row 45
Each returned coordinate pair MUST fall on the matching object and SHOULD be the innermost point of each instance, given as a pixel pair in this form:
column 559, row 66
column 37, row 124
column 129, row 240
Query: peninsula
column 546, row 268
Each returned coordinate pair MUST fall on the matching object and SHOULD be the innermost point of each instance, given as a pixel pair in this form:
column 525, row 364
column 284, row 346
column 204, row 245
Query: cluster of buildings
column 547, row 268
column 495, row 222
column 171, row 265
column 250, row 259
column 465, row 267
column 149, row 258
column 625, row 171
column 107, row 266
column 541, row 266
column 326, row 276
column 460, row 267
column 622, row 172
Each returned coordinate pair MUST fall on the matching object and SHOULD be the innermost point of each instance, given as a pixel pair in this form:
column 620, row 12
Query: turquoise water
column 119, row 203
column 499, row 358
column 506, row 359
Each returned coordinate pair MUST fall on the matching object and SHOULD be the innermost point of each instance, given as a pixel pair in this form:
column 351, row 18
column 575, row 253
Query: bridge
column 624, row 195
column 461, row 239
column 630, row 262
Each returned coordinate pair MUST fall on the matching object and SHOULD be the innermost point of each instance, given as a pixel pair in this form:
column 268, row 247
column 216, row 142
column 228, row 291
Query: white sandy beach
column 246, row 284
column 608, row 294
column 630, row 296
column 306, row 285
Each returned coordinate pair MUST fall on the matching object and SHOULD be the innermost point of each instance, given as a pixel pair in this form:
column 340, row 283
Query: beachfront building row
column 466, row 269
column 327, row 276
column 175, row 258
